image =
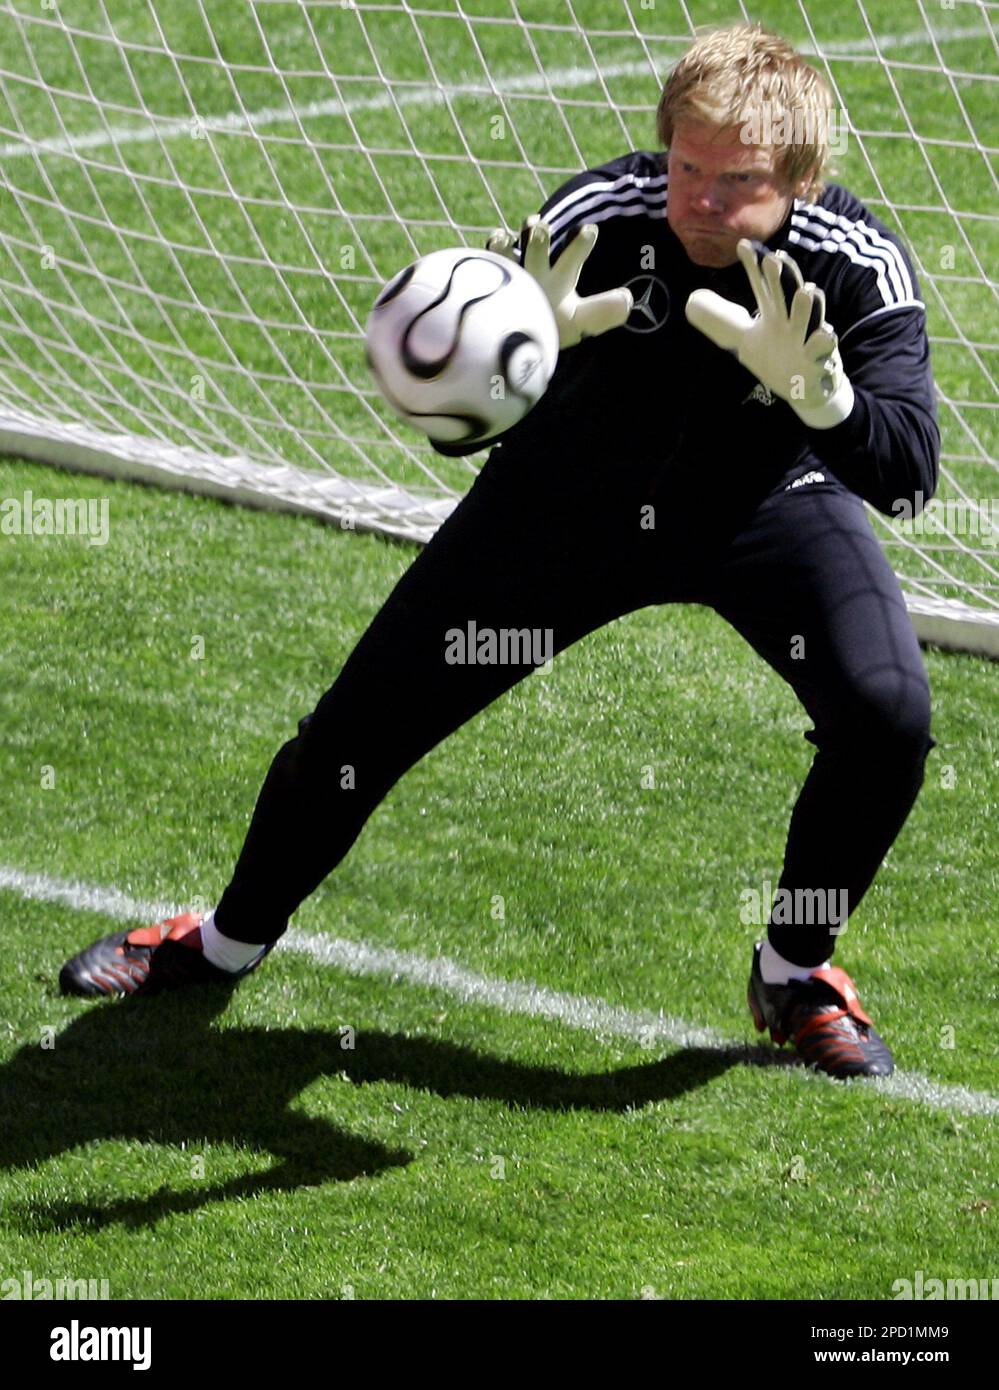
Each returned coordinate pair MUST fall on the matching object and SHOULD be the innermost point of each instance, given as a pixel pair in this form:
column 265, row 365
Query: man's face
column 720, row 190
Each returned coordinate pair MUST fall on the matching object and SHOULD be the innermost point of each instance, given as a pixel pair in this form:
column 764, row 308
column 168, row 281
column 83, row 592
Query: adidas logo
column 814, row 477
column 527, row 370
column 760, row 393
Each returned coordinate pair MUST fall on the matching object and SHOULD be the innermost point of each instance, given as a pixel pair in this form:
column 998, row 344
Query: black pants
column 801, row 576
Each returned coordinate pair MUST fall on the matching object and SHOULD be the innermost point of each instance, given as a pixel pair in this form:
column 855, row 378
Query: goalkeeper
column 744, row 359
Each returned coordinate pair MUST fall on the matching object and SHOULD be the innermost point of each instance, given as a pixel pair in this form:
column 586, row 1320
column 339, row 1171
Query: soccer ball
column 462, row 344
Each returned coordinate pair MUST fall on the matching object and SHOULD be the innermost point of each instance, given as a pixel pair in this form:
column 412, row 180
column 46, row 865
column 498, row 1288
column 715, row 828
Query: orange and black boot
column 822, row 1018
column 147, row 960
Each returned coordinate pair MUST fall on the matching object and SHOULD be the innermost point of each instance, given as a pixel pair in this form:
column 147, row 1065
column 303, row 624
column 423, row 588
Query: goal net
column 201, row 198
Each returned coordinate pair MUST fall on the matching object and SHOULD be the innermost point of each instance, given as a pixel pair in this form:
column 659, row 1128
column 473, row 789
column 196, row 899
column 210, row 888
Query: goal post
column 200, row 200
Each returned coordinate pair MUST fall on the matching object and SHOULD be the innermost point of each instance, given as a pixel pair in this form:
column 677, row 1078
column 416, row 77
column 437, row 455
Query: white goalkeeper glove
column 577, row 317
column 802, row 368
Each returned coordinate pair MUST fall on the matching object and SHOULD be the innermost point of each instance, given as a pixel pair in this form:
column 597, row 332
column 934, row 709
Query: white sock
column 222, row 950
column 777, row 971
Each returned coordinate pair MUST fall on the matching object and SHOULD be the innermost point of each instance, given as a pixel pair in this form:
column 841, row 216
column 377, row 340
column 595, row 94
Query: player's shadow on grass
column 155, row 1071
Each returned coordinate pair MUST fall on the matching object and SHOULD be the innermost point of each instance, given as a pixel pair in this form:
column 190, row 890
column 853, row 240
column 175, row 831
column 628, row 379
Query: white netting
column 200, row 200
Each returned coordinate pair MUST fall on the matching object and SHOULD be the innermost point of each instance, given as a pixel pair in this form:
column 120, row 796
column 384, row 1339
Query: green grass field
column 216, row 1146
column 200, row 1147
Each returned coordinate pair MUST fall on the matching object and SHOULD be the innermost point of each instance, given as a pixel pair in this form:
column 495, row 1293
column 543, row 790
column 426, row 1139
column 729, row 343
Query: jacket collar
column 780, row 236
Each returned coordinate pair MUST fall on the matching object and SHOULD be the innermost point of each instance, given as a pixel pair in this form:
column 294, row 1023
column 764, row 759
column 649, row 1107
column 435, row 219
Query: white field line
column 594, row 1016
column 237, row 122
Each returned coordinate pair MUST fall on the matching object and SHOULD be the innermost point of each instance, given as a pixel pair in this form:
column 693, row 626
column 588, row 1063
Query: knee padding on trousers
column 886, row 716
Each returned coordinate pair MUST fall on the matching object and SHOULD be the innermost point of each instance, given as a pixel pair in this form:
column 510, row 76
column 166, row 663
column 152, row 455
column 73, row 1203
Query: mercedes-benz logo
column 651, row 308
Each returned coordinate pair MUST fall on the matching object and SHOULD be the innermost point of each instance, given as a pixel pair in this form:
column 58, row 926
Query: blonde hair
column 743, row 74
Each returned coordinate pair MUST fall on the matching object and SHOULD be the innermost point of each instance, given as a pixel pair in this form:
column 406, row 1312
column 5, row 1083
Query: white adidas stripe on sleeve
column 629, row 196
column 817, row 229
